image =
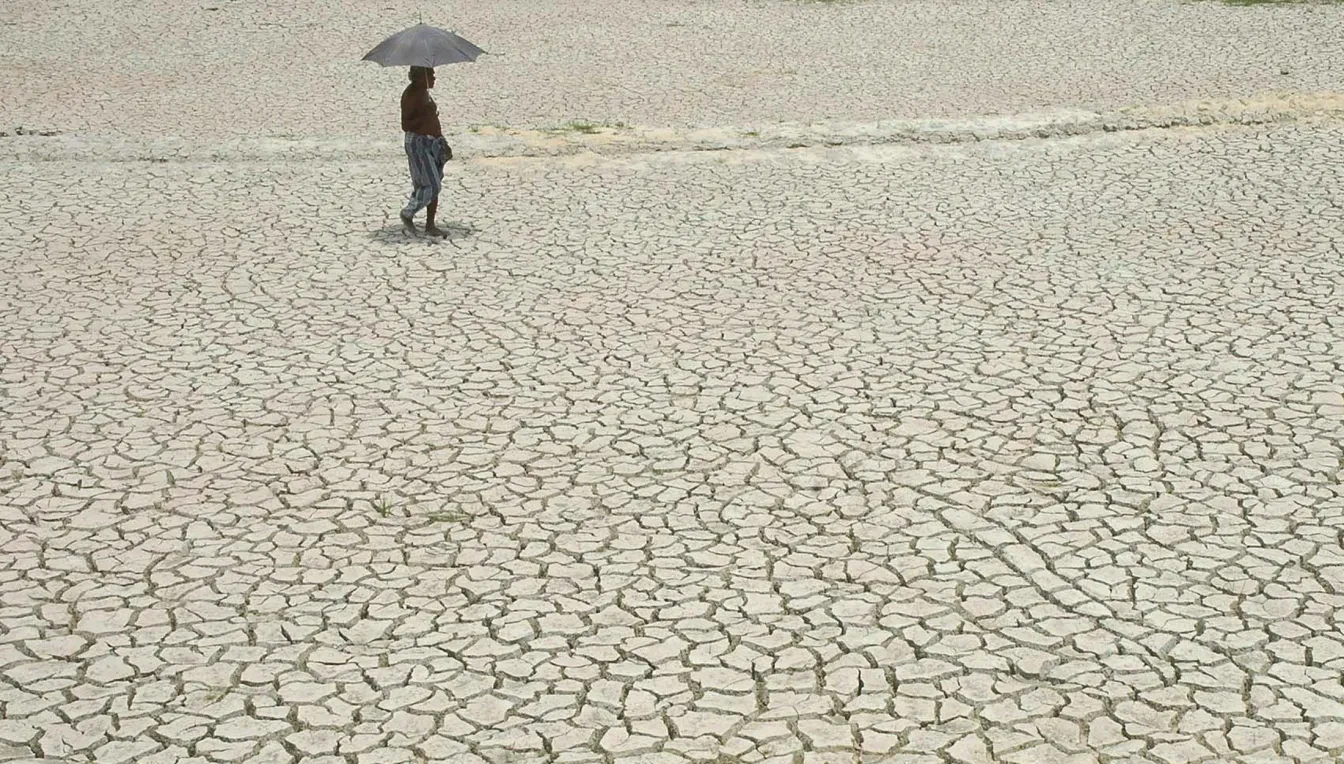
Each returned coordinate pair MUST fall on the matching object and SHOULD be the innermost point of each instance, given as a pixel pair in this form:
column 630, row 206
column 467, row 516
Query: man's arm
column 411, row 106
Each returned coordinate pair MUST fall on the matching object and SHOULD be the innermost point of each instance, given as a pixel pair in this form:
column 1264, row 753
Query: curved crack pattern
column 1013, row 452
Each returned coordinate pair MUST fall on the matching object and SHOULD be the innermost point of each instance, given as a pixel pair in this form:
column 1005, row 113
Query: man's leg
column 423, row 188
column 407, row 213
column 413, row 206
column 430, row 211
column 436, row 185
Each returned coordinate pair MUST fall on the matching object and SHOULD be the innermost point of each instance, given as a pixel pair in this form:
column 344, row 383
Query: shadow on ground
column 395, row 234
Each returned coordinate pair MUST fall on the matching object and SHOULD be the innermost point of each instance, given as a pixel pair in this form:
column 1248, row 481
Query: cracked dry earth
column 1022, row 451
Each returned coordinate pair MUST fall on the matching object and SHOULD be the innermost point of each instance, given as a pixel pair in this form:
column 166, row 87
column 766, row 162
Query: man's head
column 422, row 75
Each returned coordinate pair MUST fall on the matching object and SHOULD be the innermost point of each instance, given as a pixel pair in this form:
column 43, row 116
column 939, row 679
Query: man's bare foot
column 433, row 230
column 408, row 223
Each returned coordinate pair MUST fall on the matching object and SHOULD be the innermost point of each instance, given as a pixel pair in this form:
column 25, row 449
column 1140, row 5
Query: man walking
column 426, row 149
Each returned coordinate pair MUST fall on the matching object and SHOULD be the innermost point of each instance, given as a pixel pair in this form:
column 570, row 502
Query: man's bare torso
column 419, row 113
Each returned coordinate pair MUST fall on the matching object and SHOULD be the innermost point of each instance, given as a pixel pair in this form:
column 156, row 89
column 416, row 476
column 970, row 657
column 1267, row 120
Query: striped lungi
column 426, row 155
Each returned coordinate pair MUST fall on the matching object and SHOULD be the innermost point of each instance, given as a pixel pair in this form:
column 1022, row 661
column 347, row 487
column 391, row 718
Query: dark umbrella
column 423, row 45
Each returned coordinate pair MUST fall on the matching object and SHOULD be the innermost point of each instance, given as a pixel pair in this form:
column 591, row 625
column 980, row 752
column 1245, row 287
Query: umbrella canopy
column 423, row 45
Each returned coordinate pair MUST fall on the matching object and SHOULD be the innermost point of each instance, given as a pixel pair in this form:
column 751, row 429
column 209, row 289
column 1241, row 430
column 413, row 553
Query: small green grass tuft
column 383, row 507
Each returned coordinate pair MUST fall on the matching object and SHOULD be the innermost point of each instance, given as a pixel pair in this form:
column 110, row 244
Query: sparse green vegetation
column 1280, row 2
column 587, row 128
